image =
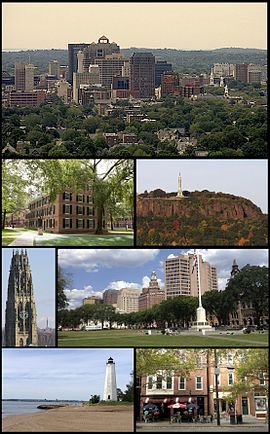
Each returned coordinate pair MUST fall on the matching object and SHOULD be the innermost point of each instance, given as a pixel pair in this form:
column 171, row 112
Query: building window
column 67, row 209
column 198, row 383
column 80, row 198
column 67, row 195
column 230, row 359
column 159, row 382
column 169, row 383
column 66, row 223
column 199, row 361
column 230, row 378
column 150, row 383
column 80, row 210
column 80, row 224
column 261, row 379
column 182, row 383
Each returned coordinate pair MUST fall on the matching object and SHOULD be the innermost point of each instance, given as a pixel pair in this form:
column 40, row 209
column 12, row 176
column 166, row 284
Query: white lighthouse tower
column 110, row 393
column 179, row 190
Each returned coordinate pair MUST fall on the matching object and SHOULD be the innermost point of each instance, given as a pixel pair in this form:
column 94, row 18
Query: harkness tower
column 21, row 323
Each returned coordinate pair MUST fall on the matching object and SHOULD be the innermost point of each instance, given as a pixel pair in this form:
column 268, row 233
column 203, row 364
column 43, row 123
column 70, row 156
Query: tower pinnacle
column 179, row 190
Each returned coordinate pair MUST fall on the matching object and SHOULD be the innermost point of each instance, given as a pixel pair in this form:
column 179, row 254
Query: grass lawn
column 86, row 240
column 137, row 338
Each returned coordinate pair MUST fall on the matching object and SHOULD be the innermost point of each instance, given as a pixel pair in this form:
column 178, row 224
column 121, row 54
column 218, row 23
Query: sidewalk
column 250, row 423
column 26, row 239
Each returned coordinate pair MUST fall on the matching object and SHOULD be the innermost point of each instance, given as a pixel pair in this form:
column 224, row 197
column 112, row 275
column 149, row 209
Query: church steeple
column 235, row 268
column 20, row 327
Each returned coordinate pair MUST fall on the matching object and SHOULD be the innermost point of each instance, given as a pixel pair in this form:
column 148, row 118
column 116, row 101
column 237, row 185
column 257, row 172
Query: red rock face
column 227, row 207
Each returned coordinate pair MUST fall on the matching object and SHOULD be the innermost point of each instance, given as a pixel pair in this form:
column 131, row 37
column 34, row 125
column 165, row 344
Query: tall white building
column 128, row 300
column 110, row 388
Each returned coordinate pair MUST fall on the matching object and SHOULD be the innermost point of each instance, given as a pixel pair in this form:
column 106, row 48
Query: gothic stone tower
column 110, row 391
column 21, row 326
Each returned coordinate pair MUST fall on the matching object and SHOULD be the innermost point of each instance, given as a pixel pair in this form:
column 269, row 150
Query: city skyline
column 73, row 374
column 245, row 178
column 94, row 270
column 71, row 19
column 42, row 265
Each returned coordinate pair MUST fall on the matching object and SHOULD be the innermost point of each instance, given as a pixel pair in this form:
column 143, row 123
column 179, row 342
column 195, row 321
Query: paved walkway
column 250, row 423
column 26, row 239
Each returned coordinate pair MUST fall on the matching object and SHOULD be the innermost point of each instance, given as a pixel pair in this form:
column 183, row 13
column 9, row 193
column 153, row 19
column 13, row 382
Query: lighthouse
column 110, row 393
column 179, row 190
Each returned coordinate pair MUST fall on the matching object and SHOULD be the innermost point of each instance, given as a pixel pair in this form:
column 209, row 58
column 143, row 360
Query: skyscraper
column 142, row 75
column 24, row 77
column 73, row 50
column 54, row 68
column 180, row 280
column 21, row 326
column 98, row 50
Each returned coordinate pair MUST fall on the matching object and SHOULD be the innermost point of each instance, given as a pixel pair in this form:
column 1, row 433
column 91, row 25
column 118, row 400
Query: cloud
column 93, row 259
column 75, row 296
column 171, row 256
column 119, row 284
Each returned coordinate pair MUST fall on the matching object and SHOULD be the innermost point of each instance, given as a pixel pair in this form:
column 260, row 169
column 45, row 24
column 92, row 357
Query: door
column 245, row 406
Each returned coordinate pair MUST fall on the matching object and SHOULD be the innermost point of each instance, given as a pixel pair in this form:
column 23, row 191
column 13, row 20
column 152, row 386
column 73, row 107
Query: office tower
column 241, row 72
column 152, row 295
column 128, row 300
column 24, row 77
column 72, row 58
column 21, row 326
column 98, row 50
column 161, row 66
column 54, row 68
column 180, row 280
column 142, row 75
column 110, row 67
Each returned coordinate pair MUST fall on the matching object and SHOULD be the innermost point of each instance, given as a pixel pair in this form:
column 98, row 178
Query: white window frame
column 196, row 383
column 185, row 383
column 232, row 374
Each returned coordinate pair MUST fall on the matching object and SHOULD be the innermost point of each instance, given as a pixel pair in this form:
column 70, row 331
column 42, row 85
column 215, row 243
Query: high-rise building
column 128, row 300
column 241, row 72
column 142, row 75
column 180, row 280
column 21, row 324
column 54, row 68
column 152, row 295
column 98, row 50
column 161, row 66
column 24, row 77
column 110, row 388
column 110, row 296
column 110, row 67
column 72, row 58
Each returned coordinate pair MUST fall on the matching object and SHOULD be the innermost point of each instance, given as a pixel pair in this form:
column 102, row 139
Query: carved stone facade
column 21, row 325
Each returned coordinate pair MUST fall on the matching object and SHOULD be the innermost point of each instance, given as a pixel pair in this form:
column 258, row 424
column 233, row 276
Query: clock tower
column 21, row 325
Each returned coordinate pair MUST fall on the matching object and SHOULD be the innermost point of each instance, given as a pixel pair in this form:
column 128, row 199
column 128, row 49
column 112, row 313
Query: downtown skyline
column 94, row 270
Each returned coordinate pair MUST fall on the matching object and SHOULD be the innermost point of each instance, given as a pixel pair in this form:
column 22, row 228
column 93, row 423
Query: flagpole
column 199, row 280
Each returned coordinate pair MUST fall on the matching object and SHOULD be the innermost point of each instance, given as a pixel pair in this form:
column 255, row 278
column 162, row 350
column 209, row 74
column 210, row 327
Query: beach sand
column 72, row 419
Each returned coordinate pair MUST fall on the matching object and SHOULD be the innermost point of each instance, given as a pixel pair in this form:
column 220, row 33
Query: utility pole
column 217, row 371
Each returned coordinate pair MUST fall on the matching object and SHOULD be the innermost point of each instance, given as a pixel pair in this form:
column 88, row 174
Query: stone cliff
column 208, row 204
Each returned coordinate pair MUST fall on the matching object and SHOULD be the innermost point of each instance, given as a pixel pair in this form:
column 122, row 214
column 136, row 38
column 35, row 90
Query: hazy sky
column 246, row 178
column 42, row 264
column 94, row 270
column 62, row 374
column 180, row 25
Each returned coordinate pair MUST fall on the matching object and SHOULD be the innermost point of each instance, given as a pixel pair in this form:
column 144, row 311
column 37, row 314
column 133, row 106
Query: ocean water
column 10, row 408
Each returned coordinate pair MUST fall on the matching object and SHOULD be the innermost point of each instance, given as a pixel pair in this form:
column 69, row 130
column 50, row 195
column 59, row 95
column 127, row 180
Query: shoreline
column 72, row 419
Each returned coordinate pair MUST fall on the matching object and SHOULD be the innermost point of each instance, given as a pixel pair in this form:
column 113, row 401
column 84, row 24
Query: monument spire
column 179, row 190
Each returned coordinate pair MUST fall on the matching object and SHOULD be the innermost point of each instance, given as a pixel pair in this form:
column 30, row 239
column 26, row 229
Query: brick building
column 68, row 213
column 152, row 295
column 26, row 99
column 110, row 296
column 199, row 387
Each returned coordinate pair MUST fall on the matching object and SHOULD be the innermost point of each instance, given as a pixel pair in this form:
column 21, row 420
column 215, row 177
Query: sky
column 94, row 270
column 42, row 264
column 246, row 178
column 179, row 25
column 73, row 374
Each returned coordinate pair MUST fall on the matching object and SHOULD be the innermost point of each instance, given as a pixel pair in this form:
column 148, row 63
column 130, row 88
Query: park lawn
column 87, row 240
column 135, row 338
